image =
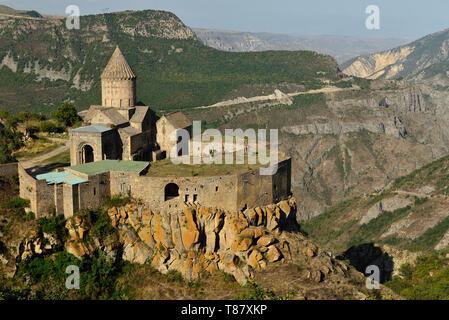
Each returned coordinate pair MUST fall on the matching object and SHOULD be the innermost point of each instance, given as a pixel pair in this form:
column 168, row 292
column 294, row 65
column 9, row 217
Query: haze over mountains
column 342, row 48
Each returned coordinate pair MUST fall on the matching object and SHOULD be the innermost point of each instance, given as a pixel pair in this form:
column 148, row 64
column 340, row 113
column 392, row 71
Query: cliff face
column 346, row 143
column 405, row 61
column 199, row 240
column 385, row 65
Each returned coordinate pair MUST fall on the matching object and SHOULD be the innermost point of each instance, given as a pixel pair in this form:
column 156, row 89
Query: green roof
column 93, row 168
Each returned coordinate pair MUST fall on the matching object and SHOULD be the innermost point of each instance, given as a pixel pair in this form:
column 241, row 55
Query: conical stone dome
column 117, row 68
column 118, row 83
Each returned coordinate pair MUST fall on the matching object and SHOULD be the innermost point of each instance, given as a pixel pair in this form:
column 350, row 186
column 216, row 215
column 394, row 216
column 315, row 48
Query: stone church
column 120, row 128
column 114, row 154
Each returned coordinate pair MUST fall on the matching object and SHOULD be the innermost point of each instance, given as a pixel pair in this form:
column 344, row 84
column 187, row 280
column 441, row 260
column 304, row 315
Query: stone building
column 170, row 124
column 116, row 153
column 119, row 128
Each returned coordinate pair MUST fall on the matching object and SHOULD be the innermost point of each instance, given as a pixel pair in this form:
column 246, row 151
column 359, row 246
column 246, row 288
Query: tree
column 67, row 114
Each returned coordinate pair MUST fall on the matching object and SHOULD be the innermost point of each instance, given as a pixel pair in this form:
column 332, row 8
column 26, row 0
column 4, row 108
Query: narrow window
column 186, row 198
column 95, row 191
column 216, row 189
column 195, row 197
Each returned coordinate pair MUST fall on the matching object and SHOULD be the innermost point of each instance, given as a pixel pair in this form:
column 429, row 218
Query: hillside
column 392, row 227
column 342, row 48
column 26, row 13
column 424, row 63
column 405, row 61
column 343, row 143
column 42, row 63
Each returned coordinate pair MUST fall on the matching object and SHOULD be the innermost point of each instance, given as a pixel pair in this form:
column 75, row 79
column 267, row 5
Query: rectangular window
column 186, row 198
column 95, row 191
column 195, row 197
column 216, row 189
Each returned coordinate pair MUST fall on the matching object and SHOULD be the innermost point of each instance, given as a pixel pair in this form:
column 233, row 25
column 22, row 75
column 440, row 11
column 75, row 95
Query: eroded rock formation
column 199, row 240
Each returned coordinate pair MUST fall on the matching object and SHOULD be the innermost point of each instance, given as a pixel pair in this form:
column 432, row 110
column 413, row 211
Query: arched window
column 171, row 191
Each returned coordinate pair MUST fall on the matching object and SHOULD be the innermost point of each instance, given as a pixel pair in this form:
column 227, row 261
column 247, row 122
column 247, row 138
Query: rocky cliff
column 258, row 244
column 345, row 143
column 404, row 61
column 201, row 240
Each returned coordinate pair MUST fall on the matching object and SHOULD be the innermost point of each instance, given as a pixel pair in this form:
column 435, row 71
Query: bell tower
column 118, row 83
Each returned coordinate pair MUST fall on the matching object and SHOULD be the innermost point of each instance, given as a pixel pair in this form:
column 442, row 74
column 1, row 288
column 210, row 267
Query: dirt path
column 283, row 98
column 36, row 161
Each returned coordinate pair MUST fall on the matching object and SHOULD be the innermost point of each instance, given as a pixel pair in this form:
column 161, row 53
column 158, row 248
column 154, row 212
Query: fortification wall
column 230, row 192
column 254, row 189
column 40, row 194
column 92, row 194
column 217, row 192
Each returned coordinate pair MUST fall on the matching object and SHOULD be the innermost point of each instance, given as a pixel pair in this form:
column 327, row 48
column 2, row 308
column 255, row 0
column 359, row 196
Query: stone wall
column 93, row 193
column 118, row 93
column 140, row 147
column 41, row 195
column 105, row 145
column 164, row 130
column 9, row 170
column 230, row 192
column 220, row 192
column 255, row 189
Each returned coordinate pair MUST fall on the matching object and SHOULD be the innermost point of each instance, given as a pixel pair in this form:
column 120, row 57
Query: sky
column 398, row 18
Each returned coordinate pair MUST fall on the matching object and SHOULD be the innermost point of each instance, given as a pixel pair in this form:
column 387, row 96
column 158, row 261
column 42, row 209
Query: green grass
column 430, row 238
column 372, row 230
column 63, row 157
column 36, row 148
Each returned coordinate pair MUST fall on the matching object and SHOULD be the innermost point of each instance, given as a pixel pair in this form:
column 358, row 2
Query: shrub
column 99, row 222
column 18, row 205
column 117, row 201
column 50, row 127
column 66, row 114
column 55, row 225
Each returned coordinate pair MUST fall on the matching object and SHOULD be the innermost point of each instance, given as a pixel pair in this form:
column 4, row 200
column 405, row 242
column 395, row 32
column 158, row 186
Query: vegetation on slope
column 172, row 73
column 428, row 279
column 338, row 226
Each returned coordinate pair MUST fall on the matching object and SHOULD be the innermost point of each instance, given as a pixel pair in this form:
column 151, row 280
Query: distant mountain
column 43, row 64
column 429, row 55
column 342, row 48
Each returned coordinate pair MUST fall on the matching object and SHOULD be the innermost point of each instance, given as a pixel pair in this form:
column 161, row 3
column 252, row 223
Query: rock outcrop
column 199, row 240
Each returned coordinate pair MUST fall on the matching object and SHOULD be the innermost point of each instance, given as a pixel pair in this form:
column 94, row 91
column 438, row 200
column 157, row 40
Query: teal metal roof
column 93, row 168
column 97, row 127
column 60, row 177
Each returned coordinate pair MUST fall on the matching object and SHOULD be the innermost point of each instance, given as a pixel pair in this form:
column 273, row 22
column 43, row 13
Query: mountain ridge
column 342, row 48
column 58, row 65
column 404, row 61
